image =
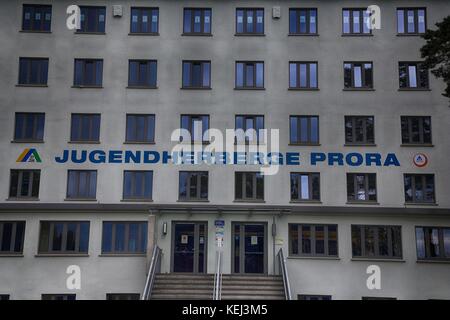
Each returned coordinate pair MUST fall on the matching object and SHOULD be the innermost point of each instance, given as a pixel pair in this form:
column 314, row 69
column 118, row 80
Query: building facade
column 87, row 160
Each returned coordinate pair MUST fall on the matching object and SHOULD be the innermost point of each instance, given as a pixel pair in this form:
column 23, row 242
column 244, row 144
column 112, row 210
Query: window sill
column 195, row 88
column 143, row 34
column 362, row 202
column 83, row 142
column 428, row 204
column 88, row 32
column 313, row 258
column 138, row 142
column 27, row 141
column 305, row 144
column 357, row 35
column 121, row 255
column 87, row 87
column 358, row 89
column 141, row 87
column 80, row 199
column 250, row 89
column 413, row 89
column 303, row 35
column 360, row 145
column 303, row 89
column 249, row 201
column 23, row 199
column 305, row 202
column 34, row 31
column 445, row 261
column 196, row 35
column 409, row 34
column 378, row 259
column 31, row 85
column 417, row 145
column 61, row 255
column 11, row 255
column 194, row 143
column 249, row 35
column 136, row 200
column 193, row 200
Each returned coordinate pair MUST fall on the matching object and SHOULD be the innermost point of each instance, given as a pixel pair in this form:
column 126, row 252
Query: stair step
column 252, row 297
column 181, row 296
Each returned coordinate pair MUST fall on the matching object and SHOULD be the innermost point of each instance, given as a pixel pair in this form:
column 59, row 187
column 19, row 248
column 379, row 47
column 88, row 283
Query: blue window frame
column 29, row 127
column 411, row 21
column 124, row 237
column 244, row 126
column 197, row 21
column 85, row 127
column 249, row 75
column 142, row 73
column 37, row 18
column 193, row 185
column 88, row 73
column 303, row 75
column 93, row 19
column 137, row 185
column 144, row 20
column 33, row 71
column 302, row 21
column 304, row 130
column 81, row 184
column 140, row 128
column 250, row 21
column 355, row 21
column 196, row 74
column 196, row 126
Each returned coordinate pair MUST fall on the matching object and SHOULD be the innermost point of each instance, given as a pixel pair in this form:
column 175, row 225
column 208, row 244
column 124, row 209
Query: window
column 59, row 297
column 64, row 237
column 416, row 130
column 304, row 130
column 12, row 234
column 196, row 74
column 88, row 73
column 378, row 298
column 82, row 184
column 249, row 75
column 193, row 185
column 24, row 184
column 140, row 128
column 249, row 129
column 137, row 185
column 361, row 187
column 302, row 75
column 313, row 240
column 358, row 75
column 4, row 297
column 382, row 242
column 356, row 22
column 195, row 127
column 144, row 20
column 308, row 297
column 249, row 186
column 302, row 21
column 419, row 188
column 37, row 18
column 33, row 71
column 29, row 127
column 92, row 19
column 197, row 21
column 413, row 75
column 433, row 243
column 359, row 130
column 249, row 21
column 85, row 127
column 411, row 21
column 124, row 238
column 142, row 73
column 305, row 186
column 123, row 296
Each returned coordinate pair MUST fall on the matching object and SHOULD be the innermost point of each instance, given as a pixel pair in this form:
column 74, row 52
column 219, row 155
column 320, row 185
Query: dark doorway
column 249, row 248
column 189, row 241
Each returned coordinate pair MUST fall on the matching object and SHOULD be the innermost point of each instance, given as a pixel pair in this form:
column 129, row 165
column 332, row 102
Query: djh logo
column 29, row 155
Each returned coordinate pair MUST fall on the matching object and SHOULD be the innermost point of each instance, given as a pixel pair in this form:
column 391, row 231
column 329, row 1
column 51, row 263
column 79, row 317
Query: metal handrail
column 155, row 266
column 285, row 275
column 217, row 290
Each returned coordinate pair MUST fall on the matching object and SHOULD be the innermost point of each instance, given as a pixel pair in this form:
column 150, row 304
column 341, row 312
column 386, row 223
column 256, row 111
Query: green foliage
column 436, row 52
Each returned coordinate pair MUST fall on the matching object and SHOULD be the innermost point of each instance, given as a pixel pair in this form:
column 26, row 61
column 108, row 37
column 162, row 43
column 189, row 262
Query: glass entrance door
column 189, row 247
column 249, row 248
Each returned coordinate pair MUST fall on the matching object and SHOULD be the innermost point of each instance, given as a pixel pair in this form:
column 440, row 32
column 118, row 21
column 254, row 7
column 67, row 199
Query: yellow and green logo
column 29, row 155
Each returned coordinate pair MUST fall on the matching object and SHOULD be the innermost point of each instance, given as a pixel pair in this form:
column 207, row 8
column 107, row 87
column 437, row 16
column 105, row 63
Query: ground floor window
column 313, row 240
column 123, row 296
column 4, row 297
column 124, row 237
column 433, row 243
column 383, row 242
column 308, row 297
column 12, row 235
column 64, row 237
column 60, row 297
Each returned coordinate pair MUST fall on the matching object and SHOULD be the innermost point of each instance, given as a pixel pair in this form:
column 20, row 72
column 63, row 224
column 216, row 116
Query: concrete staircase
column 172, row 286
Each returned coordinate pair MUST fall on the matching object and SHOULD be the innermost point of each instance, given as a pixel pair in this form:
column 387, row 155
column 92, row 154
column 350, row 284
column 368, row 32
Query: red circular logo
column 420, row 160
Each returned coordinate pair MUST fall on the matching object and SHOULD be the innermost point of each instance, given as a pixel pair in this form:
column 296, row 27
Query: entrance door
column 249, row 247
column 189, row 247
